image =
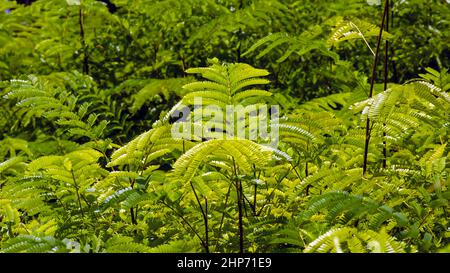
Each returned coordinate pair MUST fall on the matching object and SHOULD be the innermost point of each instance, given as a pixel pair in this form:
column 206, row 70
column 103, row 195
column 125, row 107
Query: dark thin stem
column 184, row 67
column 187, row 223
column 244, row 200
column 239, row 36
column 255, row 190
column 394, row 76
column 238, row 52
column 85, row 201
column 206, row 226
column 386, row 63
column 223, row 213
column 307, row 150
column 83, row 41
column 133, row 219
column 372, row 82
column 10, row 230
column 384, row 149
column 78, row 194
column 307, row 189
column 295, row 170
column 205, row 216
column 198, row 200
column 272, row 192
column 241, row 224
column 239, row 194
column 254, row 199
column 155, row 52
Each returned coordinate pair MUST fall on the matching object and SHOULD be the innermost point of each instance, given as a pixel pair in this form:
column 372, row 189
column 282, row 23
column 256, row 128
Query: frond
column 138, row 198
column 228, row 83
column 334, row 178
column 242, row 153
column 50, row 97
column 286, row 130
column 147, row 147
column 208, row 97
column 211, row 73
column 338, row 202
column 166, row 87
column 301, row 44
column 34, row 244
column 431, row 93
column 123, row 244
column 10, row 214
column 329, row 241
column 14, row 147
column 240, row 84
column 281, row 37
column 115, row 198
column 250, row 93
column 440, row 79
column 336, row 239
column 11, row 163
column 179, row 246
column 354, row 29
column 206, row 85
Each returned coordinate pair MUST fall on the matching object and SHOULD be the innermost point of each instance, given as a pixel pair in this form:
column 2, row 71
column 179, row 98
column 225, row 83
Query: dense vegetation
column 88, row 162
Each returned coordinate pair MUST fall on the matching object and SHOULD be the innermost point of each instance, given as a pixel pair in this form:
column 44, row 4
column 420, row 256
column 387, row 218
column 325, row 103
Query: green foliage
column 351, row 240
column 35, row 244
column 93, row 160
column 226, row 85
column 303, row 44
column 354, row 29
